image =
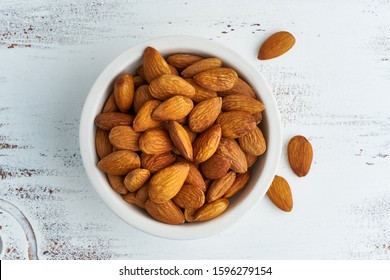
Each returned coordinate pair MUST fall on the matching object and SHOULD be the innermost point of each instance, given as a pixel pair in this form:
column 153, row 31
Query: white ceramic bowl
column 262, row 172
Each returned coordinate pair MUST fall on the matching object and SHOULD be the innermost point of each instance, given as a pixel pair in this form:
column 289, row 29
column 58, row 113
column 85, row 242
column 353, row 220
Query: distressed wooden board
column 332, row 87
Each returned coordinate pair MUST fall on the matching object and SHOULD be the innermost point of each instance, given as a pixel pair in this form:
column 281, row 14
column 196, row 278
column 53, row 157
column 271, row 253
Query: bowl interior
column 262, row 172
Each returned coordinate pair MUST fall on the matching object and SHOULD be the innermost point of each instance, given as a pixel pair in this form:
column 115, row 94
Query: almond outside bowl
column 262, row 172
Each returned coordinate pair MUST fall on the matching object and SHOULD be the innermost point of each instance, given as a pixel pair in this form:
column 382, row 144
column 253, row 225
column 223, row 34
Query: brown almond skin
column 138, row 81
column 154, row 163
column 136, row 178
column 189, row 197
column 155, row 141
column 165, row 184
column 236, row 124
column 141, row 72
column 219, row 187
column 132, row 199
column 107, row 121
column 240, row 182
column 253, row 142
column 280, row 194
column 215, row 167
column 207, row 143
column 143, row 193
column 190, row 133
column 167, row 212
column 182, row 60
column 211, row 210
column 120, row 162
column 240, row 87
column 204, row 114
column 258, row 117
column 124, row 92
column 143, row 120
column 124, row 138
column 238, row 102
column 230, row 149
column 102, row 143
column 116, row 183
column 181, row 139
column 276, row 45
column 218, row 79
column 154, row 64
column 167, row 86
column 300, row 155
column 200, row 93
column 110, row 105
column 174, row 108
column 141, row 96
column 189, row 215
column 250, row 159
column 173, row 70
column 201, row 65
column 194, row 177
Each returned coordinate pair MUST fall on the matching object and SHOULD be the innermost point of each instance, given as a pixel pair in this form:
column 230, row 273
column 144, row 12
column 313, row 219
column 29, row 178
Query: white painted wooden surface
column 333, row 87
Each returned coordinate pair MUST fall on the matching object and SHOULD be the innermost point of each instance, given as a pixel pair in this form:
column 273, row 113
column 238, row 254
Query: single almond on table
column 215, row 167
column 143, row 120
column 110, row 105
column 239, row 102
column 230, row 149
column 155, row 141
column 181, row 139
column 141, row 96
column 102, row 143
column 154, row 64
column 167, row 212
column 253, row 142
column 173, row 109
column 124, row 138
column 280, row 194
column 116, row 183
column 211, row 210
column 120, row 162
column 194, row 177
column 201, row 65
column 165, row 184
column 218, row 79
column 182, row 60
column 107, row 121
column 204, row 114
column 219, row 187
column 235, row 124
column 143, row 193
column 124, row 92
column 241, row 181
column 276, row 45
column 136, row 178
column 200, row 93
column 300, row 155
column 132, row 199
column 167, row 86
column 207, row 143
column 189, row 197
column 154, row 163
column 240, row 87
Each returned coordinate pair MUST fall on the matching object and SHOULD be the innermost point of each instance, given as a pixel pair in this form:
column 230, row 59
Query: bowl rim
column 177, row 44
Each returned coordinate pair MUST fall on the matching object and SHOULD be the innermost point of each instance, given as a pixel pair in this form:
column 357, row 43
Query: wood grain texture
column 333, row 87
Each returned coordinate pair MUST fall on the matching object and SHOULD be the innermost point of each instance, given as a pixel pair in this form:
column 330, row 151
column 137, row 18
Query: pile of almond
column 177, row 138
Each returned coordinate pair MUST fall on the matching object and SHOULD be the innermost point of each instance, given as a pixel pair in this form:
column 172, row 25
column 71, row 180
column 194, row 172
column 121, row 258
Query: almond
column 200, row 93
column 107, row 121
column 141, row 72
column 189, row 215
column 253, row 142
column 155, row 141
column 138, row 81
column 238, row 102
column 110, row 105
column 230, row 149
column 120, row 162
column 211, row 210
column 124, row 138
column 215, row 167
column 155, row 163
column 204, row 114
column 201, row 65
column 143, row 120
column 218, row 79
column 219, row 187
column 167, row 86
column 143, row 193
column 276, row 45
column 141, row 96
column 180, row 139
column 280, row 194
column 240, row 182
column 182, row 60
column 116, row 183
column 167, row 212
column 189, row 197
column 190, row 133
column 174, row 108
column 154, row 64
column 136, row 178
column 207, row 143
column 124, row 92
column 258, row 117
column 131, row 198
column 102, row 143
column 235, row 124
column 173, row 70
column 300, row 155
column 165, row 184
column 240, row 87
column 194, row 177
column 250, row 159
